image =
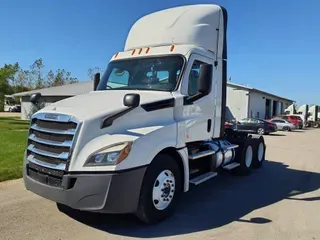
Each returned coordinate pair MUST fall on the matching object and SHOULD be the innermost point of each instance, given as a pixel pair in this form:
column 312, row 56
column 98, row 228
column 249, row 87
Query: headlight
column 111, row 155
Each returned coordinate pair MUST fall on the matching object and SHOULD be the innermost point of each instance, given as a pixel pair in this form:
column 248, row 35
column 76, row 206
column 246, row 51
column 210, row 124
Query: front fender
column 148, row 142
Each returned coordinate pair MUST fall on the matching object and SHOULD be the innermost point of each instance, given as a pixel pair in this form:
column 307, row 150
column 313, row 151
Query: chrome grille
column 51, row 139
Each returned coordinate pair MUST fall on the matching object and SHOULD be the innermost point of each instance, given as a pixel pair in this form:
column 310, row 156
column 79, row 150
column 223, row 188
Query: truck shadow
column 215, row 203
column 277, row 135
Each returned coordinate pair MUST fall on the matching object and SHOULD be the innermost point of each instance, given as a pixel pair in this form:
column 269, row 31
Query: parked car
column 254, row 125
column 296, row 120
column 16, row 108
column 283, row 124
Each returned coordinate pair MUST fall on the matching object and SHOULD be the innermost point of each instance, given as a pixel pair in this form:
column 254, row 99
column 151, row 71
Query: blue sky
column 272, row 45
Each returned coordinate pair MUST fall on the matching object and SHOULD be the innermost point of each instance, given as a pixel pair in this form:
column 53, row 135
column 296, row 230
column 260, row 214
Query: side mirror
column 34, row 98
column 205, row 79
column 131, row 100
column 96, row 81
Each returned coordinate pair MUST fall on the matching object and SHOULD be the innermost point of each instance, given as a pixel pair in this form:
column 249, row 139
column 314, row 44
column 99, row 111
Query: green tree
column 93, row 71
column 7, row 74
column 36, row 74
column 61, row 77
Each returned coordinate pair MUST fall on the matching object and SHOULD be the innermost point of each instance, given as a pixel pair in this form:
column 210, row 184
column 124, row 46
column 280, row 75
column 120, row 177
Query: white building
column 242, row 101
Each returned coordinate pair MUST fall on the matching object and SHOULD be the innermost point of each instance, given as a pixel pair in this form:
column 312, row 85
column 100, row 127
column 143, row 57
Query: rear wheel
column 260, row 131
column 259, row 152
column 160, row 191
column 286, row 128
column 244, row 156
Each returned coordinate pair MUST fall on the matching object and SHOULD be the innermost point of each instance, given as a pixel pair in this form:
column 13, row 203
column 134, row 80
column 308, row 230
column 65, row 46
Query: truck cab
column 152, row 126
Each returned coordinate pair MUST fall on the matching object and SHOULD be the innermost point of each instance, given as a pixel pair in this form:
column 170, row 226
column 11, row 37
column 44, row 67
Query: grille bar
column 55, row 131
column 33, row 159
column 66, row 143
column 63, row 155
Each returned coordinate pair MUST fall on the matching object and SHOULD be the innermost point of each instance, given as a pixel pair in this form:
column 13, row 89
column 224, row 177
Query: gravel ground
column 279, row 201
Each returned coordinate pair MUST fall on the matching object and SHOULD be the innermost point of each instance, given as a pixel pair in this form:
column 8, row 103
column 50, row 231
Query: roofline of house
column 27, row 93
column 259, row 91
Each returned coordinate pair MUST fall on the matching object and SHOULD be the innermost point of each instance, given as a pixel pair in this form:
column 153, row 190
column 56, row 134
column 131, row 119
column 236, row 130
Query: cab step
column 202, row 178
column 231, row 166
column 201, row 154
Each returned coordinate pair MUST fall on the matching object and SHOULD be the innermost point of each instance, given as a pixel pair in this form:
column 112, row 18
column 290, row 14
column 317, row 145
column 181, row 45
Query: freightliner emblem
column 51, row 116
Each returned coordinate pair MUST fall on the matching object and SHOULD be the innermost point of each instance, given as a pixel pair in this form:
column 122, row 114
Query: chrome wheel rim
column 260, row 131
column 163, row 190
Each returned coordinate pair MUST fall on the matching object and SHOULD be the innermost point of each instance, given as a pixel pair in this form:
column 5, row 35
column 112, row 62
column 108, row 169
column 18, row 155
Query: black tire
column 259, row 151
column 260, row 131
column 286, row 128
column 241, row 152
column 147, row 212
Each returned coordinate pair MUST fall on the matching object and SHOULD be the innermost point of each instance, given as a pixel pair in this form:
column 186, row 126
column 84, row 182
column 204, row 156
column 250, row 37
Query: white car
column 283, row 124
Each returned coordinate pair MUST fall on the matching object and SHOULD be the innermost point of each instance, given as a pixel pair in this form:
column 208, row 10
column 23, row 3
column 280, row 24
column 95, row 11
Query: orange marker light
column 116, row 55
column 147, row 50
column 171, row 48
column 140, row 50
column 133, row 51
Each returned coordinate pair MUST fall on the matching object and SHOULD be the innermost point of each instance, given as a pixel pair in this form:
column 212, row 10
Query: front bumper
column 95, row 192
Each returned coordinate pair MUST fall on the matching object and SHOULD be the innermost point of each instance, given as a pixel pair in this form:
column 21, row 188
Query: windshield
column 154, row 73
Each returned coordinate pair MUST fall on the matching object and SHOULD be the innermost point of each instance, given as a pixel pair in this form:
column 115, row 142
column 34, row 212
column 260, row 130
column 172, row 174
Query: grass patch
column 13, row 137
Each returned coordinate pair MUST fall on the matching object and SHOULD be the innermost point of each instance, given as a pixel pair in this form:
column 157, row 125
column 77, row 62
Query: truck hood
column 98, row 103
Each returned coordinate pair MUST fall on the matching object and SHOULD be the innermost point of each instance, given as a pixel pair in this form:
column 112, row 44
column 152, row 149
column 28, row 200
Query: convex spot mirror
column 34, row 98
column 96, row 81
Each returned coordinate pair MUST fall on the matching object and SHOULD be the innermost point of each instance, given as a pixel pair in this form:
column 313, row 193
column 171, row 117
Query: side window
column 253, row 121
column 194, row 78
column 243, row 121
column 118, row 78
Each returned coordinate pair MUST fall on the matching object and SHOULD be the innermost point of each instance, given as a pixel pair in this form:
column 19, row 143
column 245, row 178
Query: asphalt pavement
column 279, row 201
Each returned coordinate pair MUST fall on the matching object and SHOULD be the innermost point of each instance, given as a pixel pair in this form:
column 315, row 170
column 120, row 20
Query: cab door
column 198, row 115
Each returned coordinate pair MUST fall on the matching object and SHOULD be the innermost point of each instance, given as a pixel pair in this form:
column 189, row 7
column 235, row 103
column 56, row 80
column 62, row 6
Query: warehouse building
column 242, row 101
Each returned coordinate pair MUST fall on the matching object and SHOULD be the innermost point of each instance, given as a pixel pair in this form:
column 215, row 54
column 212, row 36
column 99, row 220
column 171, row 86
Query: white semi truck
column 313, row 116
column 152, row 127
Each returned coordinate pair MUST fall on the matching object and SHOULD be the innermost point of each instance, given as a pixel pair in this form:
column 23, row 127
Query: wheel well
column 173, row 153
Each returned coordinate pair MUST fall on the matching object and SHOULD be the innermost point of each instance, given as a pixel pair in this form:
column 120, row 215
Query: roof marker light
column 147, row 50
column 116, row 55
column 140, row 50
column 171, row 48
column 133, row 51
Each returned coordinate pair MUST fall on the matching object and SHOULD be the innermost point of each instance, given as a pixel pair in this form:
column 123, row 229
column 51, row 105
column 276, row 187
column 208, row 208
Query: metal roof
column 65, row 90
column 87, row 86
column 258, row 91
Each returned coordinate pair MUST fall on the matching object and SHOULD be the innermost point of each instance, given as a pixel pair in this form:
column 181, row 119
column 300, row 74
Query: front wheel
column 160, row 191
